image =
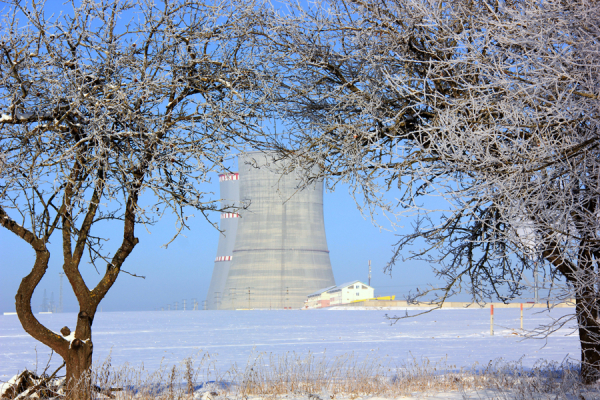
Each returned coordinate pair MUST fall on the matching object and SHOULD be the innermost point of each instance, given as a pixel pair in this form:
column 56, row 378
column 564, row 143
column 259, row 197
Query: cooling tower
column 280, row 253
column 229, row 186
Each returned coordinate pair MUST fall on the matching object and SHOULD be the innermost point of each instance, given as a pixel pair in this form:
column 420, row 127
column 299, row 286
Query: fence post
column 491, row 319
column 521, row 316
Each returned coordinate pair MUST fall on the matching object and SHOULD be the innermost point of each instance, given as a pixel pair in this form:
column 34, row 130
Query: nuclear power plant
column 273, row 252
column 229, row 189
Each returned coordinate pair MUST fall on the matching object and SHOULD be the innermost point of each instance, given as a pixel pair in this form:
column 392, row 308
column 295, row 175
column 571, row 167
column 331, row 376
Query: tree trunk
column 583, row 277
column 79, row 360
column 79, row 364
column 589, row 337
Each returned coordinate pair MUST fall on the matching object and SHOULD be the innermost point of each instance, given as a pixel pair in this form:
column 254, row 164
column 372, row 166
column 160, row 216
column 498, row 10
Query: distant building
column 349, row 292
column 273, row 250
column 230, row 193
column 319, row 299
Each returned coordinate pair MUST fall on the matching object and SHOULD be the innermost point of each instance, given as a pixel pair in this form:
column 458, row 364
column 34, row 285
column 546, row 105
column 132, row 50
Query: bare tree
column 99, row 105
column 490, row 106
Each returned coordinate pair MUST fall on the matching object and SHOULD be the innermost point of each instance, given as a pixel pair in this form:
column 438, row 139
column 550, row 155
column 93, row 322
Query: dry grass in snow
column 311, row 377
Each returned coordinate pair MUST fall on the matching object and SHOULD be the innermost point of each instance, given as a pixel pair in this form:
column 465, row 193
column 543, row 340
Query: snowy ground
column 154, row 338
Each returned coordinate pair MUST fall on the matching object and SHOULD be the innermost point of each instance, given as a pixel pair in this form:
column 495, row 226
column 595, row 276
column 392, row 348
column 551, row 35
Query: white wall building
column 337, row 295
column 318, row 299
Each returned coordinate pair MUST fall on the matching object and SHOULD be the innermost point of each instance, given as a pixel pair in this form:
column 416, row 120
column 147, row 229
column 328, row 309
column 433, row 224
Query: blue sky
column 183, row 270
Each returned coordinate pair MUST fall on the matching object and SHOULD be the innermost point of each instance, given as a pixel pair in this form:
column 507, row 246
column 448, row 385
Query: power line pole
column 217, row 300
column 249, row 302
column 232, row 296
column 45, row 302
column 60, row 296
column 369, row 272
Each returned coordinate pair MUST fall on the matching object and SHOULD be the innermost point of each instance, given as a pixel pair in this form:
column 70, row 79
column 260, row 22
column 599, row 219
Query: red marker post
column 492, row 319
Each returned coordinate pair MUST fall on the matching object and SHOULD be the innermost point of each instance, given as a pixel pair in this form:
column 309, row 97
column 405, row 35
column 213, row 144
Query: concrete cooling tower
column 280, row 253
column 229, row 186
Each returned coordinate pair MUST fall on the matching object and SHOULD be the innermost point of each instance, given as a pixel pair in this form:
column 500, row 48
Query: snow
column 461, row 337
column 467, row 395
column 19, row 116
column 69, row 338
column 7, row 385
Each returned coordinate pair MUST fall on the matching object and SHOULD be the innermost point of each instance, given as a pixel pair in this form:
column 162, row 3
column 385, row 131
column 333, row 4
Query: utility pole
column 52, row 307
column 232, row 296
column 60, row 295
column 369, row 272
column 184, row 304
column 249, row 303
column 217, row 300
column 45, row 302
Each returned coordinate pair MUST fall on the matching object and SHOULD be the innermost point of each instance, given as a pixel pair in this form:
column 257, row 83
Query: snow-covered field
column 154, row 338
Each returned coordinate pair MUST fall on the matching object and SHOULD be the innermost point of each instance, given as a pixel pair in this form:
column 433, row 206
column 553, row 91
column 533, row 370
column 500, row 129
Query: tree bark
column 589, row 335
column 79, row 364
column 79, row 360
column 586, row 307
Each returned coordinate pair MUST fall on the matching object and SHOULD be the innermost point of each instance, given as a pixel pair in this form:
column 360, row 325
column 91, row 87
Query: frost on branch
column 480, row 119
column 114, row 113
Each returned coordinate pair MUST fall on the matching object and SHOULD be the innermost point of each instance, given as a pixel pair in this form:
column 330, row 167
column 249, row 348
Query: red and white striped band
column 229, row 177
column 223, row 258
column 230, row 215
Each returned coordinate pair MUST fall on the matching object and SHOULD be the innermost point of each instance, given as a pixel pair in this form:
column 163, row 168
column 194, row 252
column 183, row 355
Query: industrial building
column 319, row 299
column 229, row 187
column 279, row 253
column 346, row 293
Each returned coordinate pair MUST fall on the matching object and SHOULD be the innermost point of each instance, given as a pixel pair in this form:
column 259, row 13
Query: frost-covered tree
column 492, row 106
column 101, row 104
